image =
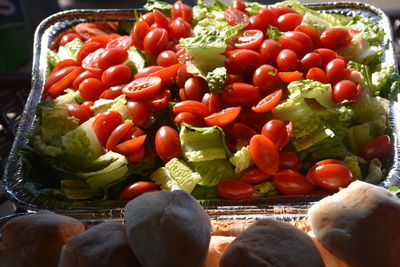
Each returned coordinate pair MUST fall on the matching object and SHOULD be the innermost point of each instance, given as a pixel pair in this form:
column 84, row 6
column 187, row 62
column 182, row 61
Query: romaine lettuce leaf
column 70, row 97
column 241, row 160
column 69, row 50
column 164, row 7
column 253, row 7
column 265, row 189
column 372, row 32
column 213, row 171
column 215, row 79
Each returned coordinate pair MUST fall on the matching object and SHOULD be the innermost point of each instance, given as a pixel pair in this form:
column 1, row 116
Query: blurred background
column 18, row 21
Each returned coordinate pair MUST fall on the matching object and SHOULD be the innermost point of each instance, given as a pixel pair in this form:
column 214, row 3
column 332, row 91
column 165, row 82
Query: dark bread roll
column 104, row 245
column 272, row 243
column 168, row 229
column 360, row 224
column 36, row 240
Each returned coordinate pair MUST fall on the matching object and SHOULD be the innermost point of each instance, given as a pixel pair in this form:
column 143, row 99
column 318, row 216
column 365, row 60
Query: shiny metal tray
column 281, row 207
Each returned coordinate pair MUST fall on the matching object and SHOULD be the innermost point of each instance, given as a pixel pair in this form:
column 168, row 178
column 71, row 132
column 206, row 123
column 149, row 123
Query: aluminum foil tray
column 282, row 207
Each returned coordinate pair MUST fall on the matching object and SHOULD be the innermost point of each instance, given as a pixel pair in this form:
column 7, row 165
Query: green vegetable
column 393, row 189
column 205, row 192
column 118, row 104
column 375, row 173
column 136, row 60
column 273, row 33
column 75, row 189
column 52, row 58
column 70, row 97
column 241, row 160
column 69, row 50
column 253, row 7
column 215, row 78
column 213, row 171
column 352, row 162
column 265, row 189
column 386, row 81
column 357, row 136
column 164, row 7
column 371, row 31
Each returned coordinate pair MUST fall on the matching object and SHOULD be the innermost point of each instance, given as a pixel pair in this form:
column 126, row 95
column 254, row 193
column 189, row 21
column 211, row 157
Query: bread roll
column 168, row 229
column 104, row 245
column 218, row 245
column 272, row 243
column 36, row 240
column 360, row 224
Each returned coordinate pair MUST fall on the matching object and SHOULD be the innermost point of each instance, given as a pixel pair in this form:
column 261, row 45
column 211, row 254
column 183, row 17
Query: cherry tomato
column 335, row 38
column 234, row 78
column 57, row 76
column 116, row 75
column 237, row 4
column 112, row 93
column 376, row 148
column 149, row 18
column 240, row 131
column 133, row 132
column 65, row 83
column 291, row 182
column 240, row 94
column 275, row 130
column 253, row 119
column 102, row 39
column 189, row 118
column 316, row 74
column 66, row 38
column 160, row 100
column 243, row 61
column 311, row 33
column 311, row 60
column 105, row 123
column 249, row 39
column 167, row 74
column 90, row 89
column 287, row 60
column 212, row 101
column 280, row 10
column 269, row 51
column 265, row 78
column 86, row 49
column 75, row 110
column 223, row 118
column 167, row 142
column 123, row 42
column 327, row 55
column 167, row 58
column 116, row 136
column 130, row 146
column 90, row 29
column 345, row 90
column 137, row 155
column 181, row 10
column 289, row 21
column 234, row 189
column 139, row 113
column 193, row 89
column 180, row 29
column 269, row 102
column 86, row 106
column 135, row 189
column 289, row 160
column 156, row 40
column 257, row 22
column 83, row 76
column 112, row 57
column 161, row 20
column 334, row 70
column 254, row 176
column 139, row 32
column 147, row 71
column 297, row 41
column 288, row 77
column 264, row 154
column 182, row 75
column 63, row 64
column 142, row 88
column 235, row 16
column 90, row 62
column 267, row 15
column 192, row 106
column 331, row 176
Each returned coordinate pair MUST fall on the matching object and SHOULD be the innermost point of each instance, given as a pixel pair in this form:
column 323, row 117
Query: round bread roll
column 359, row 224
column 272, row 243
column 218, row 246
column 168, row 229
column 36, row 240
column 104, row 245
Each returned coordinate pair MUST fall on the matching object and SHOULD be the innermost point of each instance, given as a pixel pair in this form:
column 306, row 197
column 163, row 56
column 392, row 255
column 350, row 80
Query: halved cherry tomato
column 102, row 39
column 189, row 118
column 167, row 143
column 133, row 133
column 161, row 20
column 83, row 76
column 182, row 75
column 311, row 33
column 86, row 106
column 254, row 176
column 147, row 71
column 116, row 75
column 57, row 76
column 75, row 110
column 291, row 182
column 137, row 155
column 62, row 64
column 268, row 15
column 142, row 88
column 275, row 130
column 112, row 92
column 86, row 49
column 297, row 41
column 105, row 123
column 335, row 38
column 156, row 40
column 311, row 60
column 243, row 61
column 334, row 70
column 240, row 94
column 235, row 16
column 127, row 147
column 91, row 89
column 237, row 4
column 66, row 82
column 167, row 74
column 280, row 10
column 266, row 78
column 117, row 134
column 326, row 54
column 234, row 189
column 139, row 112
column 257, row 22
column 139, row 32
column 249, row 39
column 223, row 117
column 123, row 42
column 345, row 90
column 66, row 38
column 291, row 76
column 240, row 131
column 264, row 154
column 376, row 148
column 289, row 160
column 181, row 10
column 269, row 102
column 160, row 100
column 90, row 29
column 212, row 101
column 135, row 189
column 317, row 74
column 90, row 62
column 180, row 29
column 331, row 176
column 111, row 57
column 192, row 106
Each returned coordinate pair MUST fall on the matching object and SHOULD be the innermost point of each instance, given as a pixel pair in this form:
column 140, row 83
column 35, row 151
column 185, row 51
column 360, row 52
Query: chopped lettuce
column 215, row 79
column 52, row 58
column 205, row 192
column 371, row 31
column 70, row 97
column 265, row 189
column 375, row 173
column 76, row 189
column 136, row 59
column 69, row 50
column 118, row 104
column 241, row 160
column 352, row 162
column 253, row 7
column 213, row 171
column 357, row 136
column 164, row 7
column 273, row 33
column 212, row 10
column 386, row 80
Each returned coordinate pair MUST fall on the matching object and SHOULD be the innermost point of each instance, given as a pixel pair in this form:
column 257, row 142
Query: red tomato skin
column 180, row 29
column 189, row 118
column 330, row 176
column 91, row 88
column 265, row 78
column 212, row 101
column 147, row 71
column 257, row 22
column 160, row 100
column 289, row 160
column 345, row 90
column 291, row 182
column 378, row 147
column 240, row 94
column 62, row 64
column 182, row 10
column 223, row 118
column 57, row 76
column 334, row 70
column 123, row 42
column 193, row 89
column 275, row 130
column 335, row 38
column 234, row 17
column 311, row 60
column 135, row 189
column 264, row 154
column 116, row 75
column 268, row 16
column 84, row 75
column 254, row 176
column 139, row 113
column 105, row 123
column 75, row 110
column 269, row 51
column 130, row 146
column 288, row 77
column 66, row 82
column 139, row 32
column 268, row 102
column 167, row 58
column 68, row 38
column 249, row 39
column 326, row 54
column 234, row 189
column 240, row 131
column 311, row 33
column 289, row 21
column 117, row 135
column 168, row 144
column 317, row 74
column 112, row 92
column 137, row 155
column 156, row 40
column 287, row 60
column 237, row 4
column 192, row 106
column 112, row 57
column 297, row 41
column 243, row 61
